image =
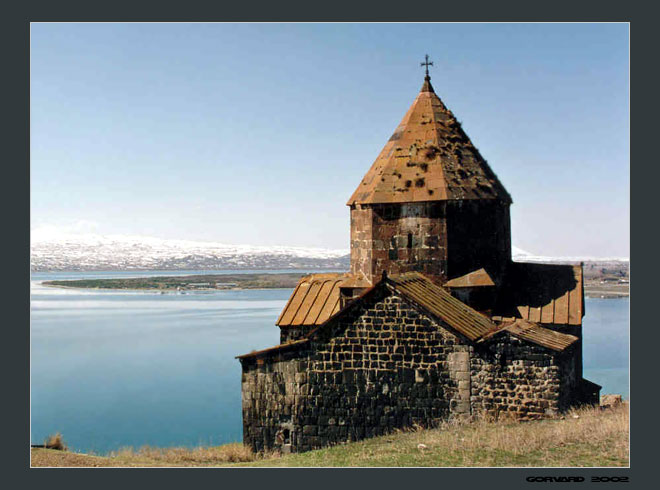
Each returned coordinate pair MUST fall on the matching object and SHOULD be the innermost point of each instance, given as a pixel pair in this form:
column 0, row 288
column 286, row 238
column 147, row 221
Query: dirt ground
column 51, row 457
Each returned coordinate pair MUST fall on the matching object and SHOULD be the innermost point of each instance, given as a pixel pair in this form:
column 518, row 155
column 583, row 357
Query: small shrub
column 55, row 441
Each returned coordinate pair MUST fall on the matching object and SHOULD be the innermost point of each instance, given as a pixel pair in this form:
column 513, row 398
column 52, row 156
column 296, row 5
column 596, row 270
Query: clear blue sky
column 259, row 133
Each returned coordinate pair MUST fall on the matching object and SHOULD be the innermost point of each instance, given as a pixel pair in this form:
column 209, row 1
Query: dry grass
column 55, row 441
column 48, row 458
column 150, row 456
column 176, row 456
column 179, row 456
column 584, row 437
column 602, row 429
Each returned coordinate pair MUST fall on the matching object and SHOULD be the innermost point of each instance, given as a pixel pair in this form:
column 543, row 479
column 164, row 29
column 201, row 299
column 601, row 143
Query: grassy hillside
column 585, row 437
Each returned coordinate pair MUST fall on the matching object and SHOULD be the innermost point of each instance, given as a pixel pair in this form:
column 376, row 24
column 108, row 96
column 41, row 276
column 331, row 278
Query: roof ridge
column 534, row 332
column 441, row 304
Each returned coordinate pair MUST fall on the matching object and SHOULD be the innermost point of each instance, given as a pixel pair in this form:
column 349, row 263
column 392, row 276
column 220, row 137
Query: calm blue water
column 118, row 368
column 606, row 329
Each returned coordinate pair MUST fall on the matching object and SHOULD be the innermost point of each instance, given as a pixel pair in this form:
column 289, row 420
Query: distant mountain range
column 90, row 252
column 523, row 256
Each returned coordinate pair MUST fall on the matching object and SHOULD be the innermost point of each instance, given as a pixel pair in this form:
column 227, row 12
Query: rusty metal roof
column 474, row 279
column 545, row 293
column 356, row 281
column 438, row 302
column 428, row 158
column 315, row 299
column 535, row 333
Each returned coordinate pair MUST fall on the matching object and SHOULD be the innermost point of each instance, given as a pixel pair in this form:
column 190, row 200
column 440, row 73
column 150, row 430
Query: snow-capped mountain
column 520, row 255
column 88, row 252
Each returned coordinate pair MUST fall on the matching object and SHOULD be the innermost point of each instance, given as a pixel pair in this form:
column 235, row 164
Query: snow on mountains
column 89, row 252
column 120, row 252
column 520, row 255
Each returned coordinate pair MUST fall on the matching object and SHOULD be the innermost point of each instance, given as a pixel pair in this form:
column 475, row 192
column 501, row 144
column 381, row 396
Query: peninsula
column 596, row 284
column 191, row 282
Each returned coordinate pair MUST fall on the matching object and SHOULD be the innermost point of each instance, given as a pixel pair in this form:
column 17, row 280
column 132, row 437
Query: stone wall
column 478, row 235
column 516, row 378
column 399, row 238
column 379, row 368
column 441, row 239
column 271, row 390
column 293, row 332
column 576, row 351
column 384, row 365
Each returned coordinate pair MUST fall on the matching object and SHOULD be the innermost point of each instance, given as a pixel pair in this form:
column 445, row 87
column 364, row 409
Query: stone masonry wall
column 291, row 332
column 573, row 363
column 383, row 367
column 271, row 391
column 399, row 238
column 478, row 235
column 440, row 239
column 570, row 363
column 516, row 378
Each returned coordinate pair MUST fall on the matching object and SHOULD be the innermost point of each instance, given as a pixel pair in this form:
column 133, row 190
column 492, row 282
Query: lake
column 132, row 368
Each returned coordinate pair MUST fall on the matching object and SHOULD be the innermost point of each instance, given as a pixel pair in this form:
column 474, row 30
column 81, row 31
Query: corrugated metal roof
column 535, row 333
column 546, row 293
column 438, row 302
column 315, row 299
column 312, row 333
column 428, row 158
column 475, row 278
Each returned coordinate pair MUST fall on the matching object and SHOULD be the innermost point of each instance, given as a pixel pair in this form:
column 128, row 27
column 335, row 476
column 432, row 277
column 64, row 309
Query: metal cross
column 427, row 63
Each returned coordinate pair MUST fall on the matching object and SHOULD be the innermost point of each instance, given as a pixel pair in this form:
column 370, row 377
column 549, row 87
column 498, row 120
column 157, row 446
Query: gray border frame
column 16, row 243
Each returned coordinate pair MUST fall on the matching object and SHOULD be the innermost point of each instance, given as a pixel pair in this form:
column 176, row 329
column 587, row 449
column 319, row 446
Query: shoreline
column 585, row 437
column 156, row 290
column 183, row 283
column 593, row 294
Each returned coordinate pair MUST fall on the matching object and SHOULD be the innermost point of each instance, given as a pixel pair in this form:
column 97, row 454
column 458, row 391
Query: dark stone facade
column 289, row 333
column 386, row 365
column 523, row 380
column 434, row 320
column 478, row 235
column 440, row 239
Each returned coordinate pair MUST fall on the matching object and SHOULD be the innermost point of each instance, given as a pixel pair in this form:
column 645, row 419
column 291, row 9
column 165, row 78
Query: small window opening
column 409, row 240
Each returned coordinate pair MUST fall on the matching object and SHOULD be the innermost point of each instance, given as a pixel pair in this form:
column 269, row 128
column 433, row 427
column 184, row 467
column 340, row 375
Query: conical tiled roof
column 428, row 158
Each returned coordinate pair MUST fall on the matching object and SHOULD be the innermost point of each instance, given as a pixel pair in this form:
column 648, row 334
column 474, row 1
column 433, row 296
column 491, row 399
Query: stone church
column 434, row 321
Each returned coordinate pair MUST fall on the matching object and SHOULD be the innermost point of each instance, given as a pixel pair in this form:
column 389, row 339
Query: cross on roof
column 427, row 63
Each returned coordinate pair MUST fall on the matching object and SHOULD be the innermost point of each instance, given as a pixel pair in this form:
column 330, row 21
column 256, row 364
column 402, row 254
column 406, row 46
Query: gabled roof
column 544, row 293
column 439, row 303
column 315, row 299
column 428, row 158
column 535, row 333
column 473, row 279
column 416, row 288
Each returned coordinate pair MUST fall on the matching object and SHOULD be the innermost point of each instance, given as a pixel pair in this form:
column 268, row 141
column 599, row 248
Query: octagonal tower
column 430, row 202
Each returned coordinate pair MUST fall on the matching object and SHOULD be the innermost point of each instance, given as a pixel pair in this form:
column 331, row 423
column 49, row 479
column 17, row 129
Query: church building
column 433, row 321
